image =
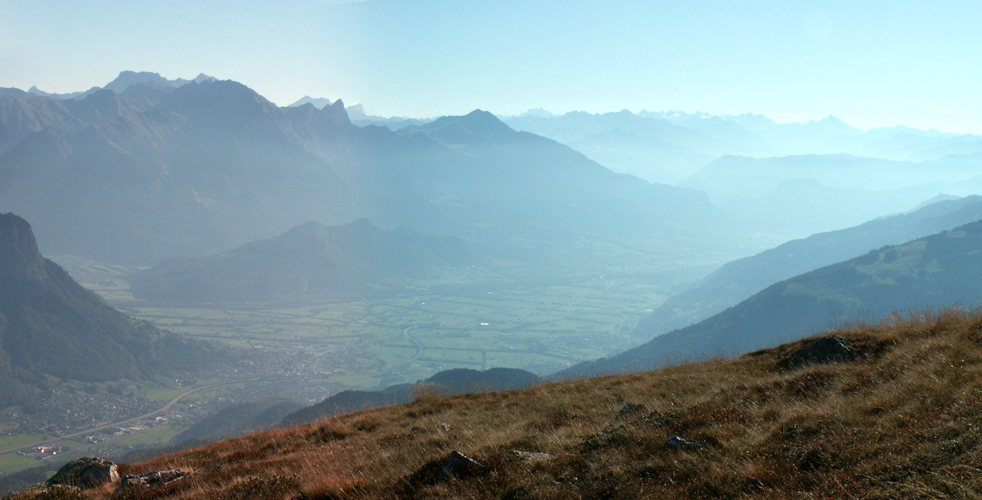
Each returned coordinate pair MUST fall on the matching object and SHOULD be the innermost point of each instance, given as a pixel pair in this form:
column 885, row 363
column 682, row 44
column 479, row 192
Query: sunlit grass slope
column 901, row 420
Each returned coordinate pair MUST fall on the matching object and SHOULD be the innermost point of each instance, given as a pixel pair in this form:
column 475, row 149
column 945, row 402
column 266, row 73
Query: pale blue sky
column 869, row 63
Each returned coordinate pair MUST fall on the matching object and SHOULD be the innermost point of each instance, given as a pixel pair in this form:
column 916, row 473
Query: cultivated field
column 378, row 341
column 482, row 320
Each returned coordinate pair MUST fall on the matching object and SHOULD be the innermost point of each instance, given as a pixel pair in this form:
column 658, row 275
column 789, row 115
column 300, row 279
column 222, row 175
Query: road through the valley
column 419, row 345
column 154, row 413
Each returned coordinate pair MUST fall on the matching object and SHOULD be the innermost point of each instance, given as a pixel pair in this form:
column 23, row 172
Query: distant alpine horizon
column 871, row 65
column 357, row 110
column 775, row 181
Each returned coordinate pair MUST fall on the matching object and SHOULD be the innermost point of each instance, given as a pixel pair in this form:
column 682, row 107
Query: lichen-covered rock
column 86, row 472
column 677, row 443
column 149, row 479
column 630, row 409
column 454, row 466
column 460, row 465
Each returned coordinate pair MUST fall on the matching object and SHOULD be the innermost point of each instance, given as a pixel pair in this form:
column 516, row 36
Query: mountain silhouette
column 214, row 165
column 317, row 102
column 127, row 79
column 668, row 146
column 308, row 260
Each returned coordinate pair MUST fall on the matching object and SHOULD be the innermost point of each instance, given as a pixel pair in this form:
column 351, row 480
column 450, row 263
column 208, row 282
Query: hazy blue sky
column 870, row 63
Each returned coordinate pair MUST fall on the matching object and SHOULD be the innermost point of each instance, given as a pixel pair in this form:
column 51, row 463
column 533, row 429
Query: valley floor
column 308, row 350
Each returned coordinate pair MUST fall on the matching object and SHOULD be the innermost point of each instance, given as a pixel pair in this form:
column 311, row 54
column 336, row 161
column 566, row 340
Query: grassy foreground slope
column 903, row 420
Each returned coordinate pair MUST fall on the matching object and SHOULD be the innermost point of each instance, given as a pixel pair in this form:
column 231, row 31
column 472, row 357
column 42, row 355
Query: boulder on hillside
column 460, row 465
column 830, row 349
column 68, row 483
column 86, row 472
column 456, row 465
column 677, row 443
column 630, row 409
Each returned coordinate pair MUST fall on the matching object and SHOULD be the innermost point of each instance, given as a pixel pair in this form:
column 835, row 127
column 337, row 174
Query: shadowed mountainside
column 308, row 260
column 51, row 326
column 23, row 115
column 742, row 278
column 938, row 270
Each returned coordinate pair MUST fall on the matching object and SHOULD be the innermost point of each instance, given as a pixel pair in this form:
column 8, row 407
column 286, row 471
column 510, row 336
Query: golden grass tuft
column 902, row 421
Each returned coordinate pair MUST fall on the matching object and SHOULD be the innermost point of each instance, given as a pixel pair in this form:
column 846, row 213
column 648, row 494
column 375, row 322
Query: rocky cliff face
column 50, row 325
column 21, row 259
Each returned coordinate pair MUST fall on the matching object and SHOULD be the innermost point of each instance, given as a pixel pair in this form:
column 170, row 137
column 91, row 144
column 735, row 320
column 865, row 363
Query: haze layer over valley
column 435, row 249
column 788, row 179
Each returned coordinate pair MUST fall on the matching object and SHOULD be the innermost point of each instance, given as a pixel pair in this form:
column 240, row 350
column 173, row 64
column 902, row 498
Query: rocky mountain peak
column 19, row 256
column 478, row 122
column 336, row 113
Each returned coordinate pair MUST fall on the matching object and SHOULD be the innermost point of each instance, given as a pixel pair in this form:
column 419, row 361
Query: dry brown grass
column 905, row 422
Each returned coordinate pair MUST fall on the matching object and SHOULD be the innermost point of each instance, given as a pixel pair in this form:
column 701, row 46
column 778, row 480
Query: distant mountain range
column 122, row 82
column 782, row 180
column 649, row 147
column 733, row 178
column 801, row 195
column 740, row 279
column 317, row 102
column 670, row 146
column 149, row 168
column 356, row 114
column 934, row 271
column 308, row 260
column 52, row 327
column 199, row 167
column 211, row 165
